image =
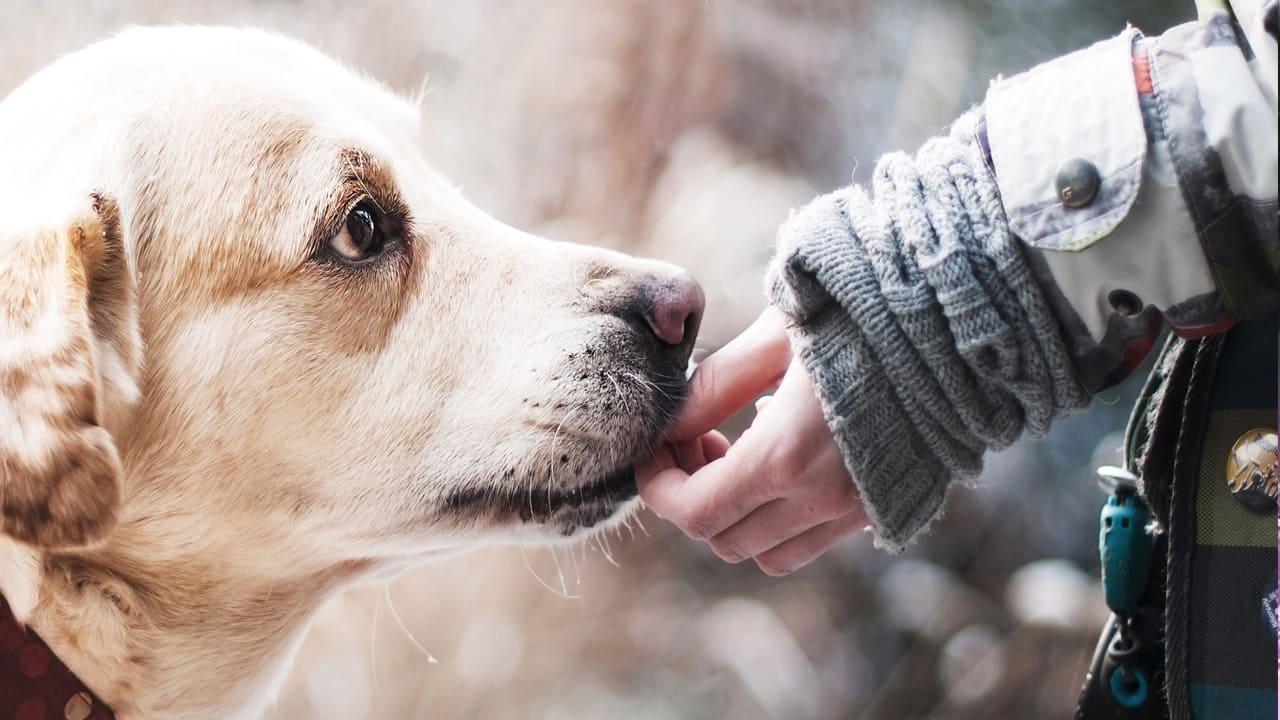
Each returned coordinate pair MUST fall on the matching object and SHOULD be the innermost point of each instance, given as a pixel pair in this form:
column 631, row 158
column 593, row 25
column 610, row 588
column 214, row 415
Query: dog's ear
column 69, row 360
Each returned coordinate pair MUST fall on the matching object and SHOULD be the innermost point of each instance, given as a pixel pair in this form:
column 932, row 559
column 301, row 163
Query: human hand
column 781, row 495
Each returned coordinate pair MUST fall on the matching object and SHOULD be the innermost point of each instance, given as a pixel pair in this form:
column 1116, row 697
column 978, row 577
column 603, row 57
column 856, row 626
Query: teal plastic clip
column 1129, row 686
column 1123, row 541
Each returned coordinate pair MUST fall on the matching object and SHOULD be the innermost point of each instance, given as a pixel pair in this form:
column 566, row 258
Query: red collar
column 34, row 684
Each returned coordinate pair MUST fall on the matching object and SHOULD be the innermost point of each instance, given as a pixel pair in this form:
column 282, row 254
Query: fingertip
column 773, row 570
column 689, row 454
column 730, row 378
column 660, row 490
column 660, row 458
column 714, row 445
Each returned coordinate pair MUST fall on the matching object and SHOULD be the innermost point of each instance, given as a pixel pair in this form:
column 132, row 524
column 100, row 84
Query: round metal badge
column 1251, row 469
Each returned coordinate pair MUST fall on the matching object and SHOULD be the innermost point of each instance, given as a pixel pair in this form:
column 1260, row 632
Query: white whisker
column 524, row 556
column 373, row 645
column 608, row 551
column 431, row 659
column 555, row 558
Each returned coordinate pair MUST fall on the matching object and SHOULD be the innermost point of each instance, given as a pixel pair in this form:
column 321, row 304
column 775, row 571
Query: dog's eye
column 361, row 238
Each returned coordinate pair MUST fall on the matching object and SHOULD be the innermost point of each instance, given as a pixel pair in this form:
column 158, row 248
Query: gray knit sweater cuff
column 926, row 335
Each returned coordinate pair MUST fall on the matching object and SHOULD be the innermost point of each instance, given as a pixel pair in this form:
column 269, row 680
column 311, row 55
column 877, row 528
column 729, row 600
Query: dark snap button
column 1125, row 302
column 1077, row 182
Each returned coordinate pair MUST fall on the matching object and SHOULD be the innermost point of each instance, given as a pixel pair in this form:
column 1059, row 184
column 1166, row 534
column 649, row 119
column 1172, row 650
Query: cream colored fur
column 205, row 430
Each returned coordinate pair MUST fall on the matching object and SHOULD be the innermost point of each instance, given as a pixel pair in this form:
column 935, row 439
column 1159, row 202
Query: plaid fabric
column 1231, row 648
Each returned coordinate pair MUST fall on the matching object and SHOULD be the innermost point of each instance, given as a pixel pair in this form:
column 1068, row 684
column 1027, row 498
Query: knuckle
column 697, row 523
column 786, row 462
column 729, row 551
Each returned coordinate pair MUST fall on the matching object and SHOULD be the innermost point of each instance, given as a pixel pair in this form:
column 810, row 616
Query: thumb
column 724, row 383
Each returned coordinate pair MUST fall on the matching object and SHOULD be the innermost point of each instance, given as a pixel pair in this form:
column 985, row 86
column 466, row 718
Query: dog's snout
column 662, row 305
column 672, row 307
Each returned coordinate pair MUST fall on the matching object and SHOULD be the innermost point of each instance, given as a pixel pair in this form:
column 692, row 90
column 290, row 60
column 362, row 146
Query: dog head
column 238, row 302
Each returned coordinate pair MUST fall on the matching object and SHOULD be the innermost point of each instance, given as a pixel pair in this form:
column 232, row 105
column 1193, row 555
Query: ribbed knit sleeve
column 928, row 339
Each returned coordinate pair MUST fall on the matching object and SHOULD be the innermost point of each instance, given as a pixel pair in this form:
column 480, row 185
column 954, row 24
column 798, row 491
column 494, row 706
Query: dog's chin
column 592, row 506
column 574, row 511
column 554, row 514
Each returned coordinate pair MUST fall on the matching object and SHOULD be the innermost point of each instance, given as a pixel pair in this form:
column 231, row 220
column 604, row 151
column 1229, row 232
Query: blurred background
column 686, row 130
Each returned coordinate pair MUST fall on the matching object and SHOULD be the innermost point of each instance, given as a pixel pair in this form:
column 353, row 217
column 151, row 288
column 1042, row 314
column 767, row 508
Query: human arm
column 975, row 293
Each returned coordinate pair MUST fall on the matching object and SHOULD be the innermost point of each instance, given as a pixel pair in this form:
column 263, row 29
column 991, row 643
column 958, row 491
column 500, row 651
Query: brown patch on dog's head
column 69, row 353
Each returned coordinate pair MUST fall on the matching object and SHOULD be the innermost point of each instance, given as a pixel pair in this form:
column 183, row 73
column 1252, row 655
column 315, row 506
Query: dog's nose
column 672, row 307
